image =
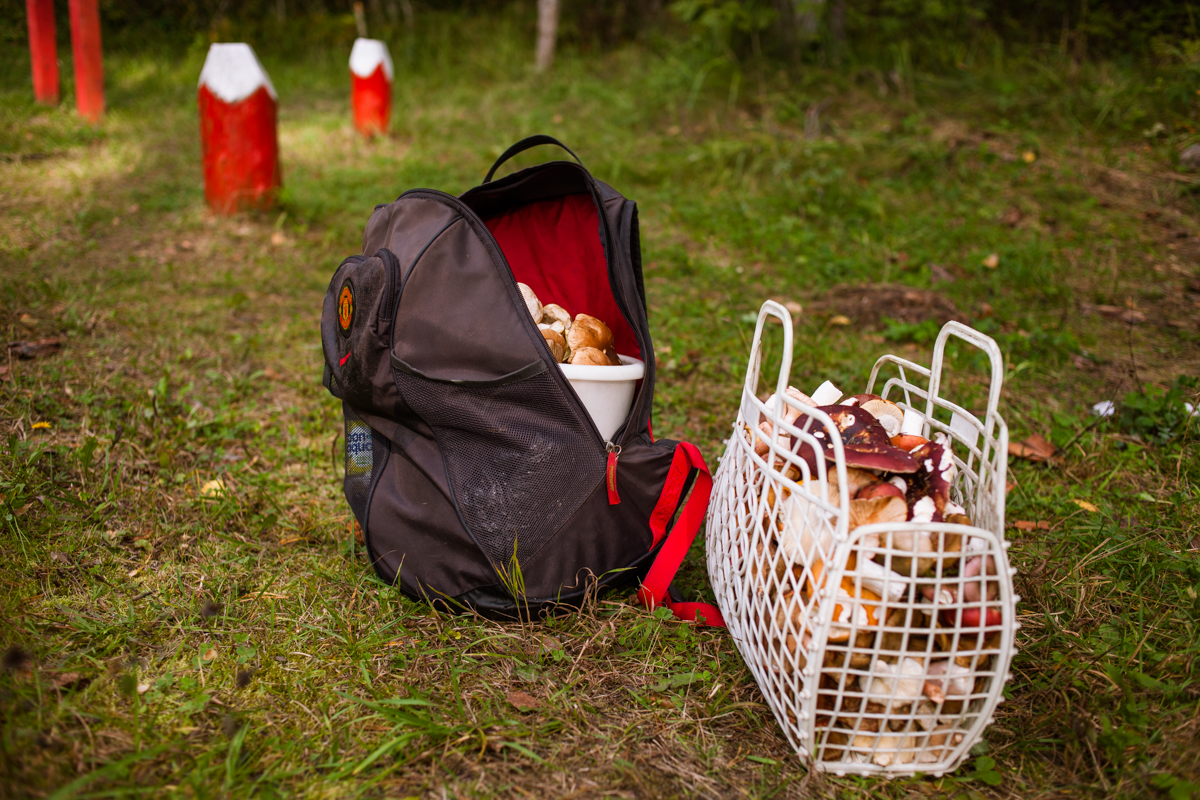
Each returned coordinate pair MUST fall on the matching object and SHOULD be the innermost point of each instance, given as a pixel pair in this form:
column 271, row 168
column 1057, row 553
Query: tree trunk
column 808, row 17
column 547, row 33
column 360, row 20
column 837, row 22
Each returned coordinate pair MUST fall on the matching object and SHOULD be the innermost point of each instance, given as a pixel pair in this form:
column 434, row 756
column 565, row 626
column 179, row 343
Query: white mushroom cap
column 531, row 302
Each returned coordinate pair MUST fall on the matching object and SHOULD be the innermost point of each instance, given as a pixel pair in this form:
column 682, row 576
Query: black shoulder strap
column 525, row 144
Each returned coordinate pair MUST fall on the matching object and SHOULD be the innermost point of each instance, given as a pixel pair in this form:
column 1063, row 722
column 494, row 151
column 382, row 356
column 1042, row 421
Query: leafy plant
column 1159, row 415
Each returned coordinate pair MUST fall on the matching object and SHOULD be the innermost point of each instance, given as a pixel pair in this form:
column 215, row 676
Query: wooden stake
column 43, row 50
column 89, row 61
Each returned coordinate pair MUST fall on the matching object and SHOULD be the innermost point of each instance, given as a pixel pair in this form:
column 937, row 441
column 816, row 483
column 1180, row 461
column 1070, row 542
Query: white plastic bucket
column 606, row 392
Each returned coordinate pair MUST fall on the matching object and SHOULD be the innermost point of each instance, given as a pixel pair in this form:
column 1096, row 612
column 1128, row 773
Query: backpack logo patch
column 346, row 307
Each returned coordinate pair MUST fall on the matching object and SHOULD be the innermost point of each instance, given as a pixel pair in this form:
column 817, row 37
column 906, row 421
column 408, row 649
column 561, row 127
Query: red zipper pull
column 610, row 475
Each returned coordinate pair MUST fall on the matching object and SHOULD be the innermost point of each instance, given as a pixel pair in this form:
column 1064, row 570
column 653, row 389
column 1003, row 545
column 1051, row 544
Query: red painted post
column 89, row 61
column 371, row 76
column 43, row 50
column 237, row 130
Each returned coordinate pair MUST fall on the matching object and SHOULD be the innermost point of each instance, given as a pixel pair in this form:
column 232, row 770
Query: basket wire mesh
column 881, row 648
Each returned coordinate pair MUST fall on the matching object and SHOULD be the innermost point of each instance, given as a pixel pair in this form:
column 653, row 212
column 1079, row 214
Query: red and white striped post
column 89, row 61
column 43, row 50
column 237, row 130
column 371, row 76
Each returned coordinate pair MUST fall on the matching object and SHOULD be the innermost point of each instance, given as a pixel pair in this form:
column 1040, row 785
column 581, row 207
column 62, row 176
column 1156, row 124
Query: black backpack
column 474, row 471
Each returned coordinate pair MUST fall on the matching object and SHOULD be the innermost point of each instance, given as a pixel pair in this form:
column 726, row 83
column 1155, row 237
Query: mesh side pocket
column 519, row 460
column 366, row 452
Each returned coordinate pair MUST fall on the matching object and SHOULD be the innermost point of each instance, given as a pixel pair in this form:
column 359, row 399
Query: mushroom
column 553, row 312
column 555, row 326
column 587, row 331
column 976, row 591
column 875, row 510
column 941, row 741
column 864, row 441
column 856, row 481
column 851, row 607
column 896, row 687
column 890, row 415
column 589, row 356
column 947, row 679
column 531, row 302
column 908, row 441
column 826, row 394
column 556, row 343
column 880, row 580
column 882, row 750
column 879, row 489
column 929, row 484
column 807, row 535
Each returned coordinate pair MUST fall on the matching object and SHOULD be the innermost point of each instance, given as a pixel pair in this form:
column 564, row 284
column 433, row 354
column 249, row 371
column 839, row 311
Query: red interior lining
column 553, row 246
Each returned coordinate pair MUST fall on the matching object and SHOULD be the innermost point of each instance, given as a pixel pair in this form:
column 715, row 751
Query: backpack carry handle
column 525, row 144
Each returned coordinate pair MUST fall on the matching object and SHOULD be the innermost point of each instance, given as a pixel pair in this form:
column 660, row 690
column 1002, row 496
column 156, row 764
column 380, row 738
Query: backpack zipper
column 482, row 229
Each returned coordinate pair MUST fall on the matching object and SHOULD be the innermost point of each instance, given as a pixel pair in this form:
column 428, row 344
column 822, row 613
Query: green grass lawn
column 164, row 642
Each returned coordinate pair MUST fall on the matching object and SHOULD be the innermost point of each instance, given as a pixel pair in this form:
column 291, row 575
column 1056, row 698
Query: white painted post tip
column 232, row 72
column 367, row 55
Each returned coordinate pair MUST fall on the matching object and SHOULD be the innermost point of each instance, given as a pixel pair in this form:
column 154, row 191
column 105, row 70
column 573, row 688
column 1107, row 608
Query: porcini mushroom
column 556, row 343
column 587, row 331
column 896, row 687
column 531, row 302
column 553, row 312
column 589, row 356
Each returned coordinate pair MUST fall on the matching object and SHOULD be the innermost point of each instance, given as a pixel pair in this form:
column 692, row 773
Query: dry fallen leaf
column 210, row 654
column 28, row 320
column 37, row 349
column 1035, row 448
column 1010, row 485
column 1029, row 156
column 1026, row 525
column 142, row 688
column 839, row 319
column 1012, row 217
column 213, row 488
column 272, row 374
column 66, row 680
column 1085, row 505
column 523, row 701
column 278, row 238
column 941, row 274
column 792, row 306
column 992, row 261
column 1130, row 316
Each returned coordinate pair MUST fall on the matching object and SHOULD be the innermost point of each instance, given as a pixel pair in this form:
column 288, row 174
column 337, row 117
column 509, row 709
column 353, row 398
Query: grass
column 167, row 640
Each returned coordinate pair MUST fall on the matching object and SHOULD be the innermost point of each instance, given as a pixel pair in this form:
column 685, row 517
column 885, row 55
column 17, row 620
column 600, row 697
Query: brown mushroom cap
column 587, row 331
column 589, row 356
column 556, row 343
column 864, row 441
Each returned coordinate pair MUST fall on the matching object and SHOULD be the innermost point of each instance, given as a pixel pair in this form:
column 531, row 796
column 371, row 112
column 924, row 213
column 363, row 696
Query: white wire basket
column 881, row 648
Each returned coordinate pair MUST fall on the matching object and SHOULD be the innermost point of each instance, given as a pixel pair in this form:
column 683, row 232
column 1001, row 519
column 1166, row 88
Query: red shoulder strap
column 654, row 588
